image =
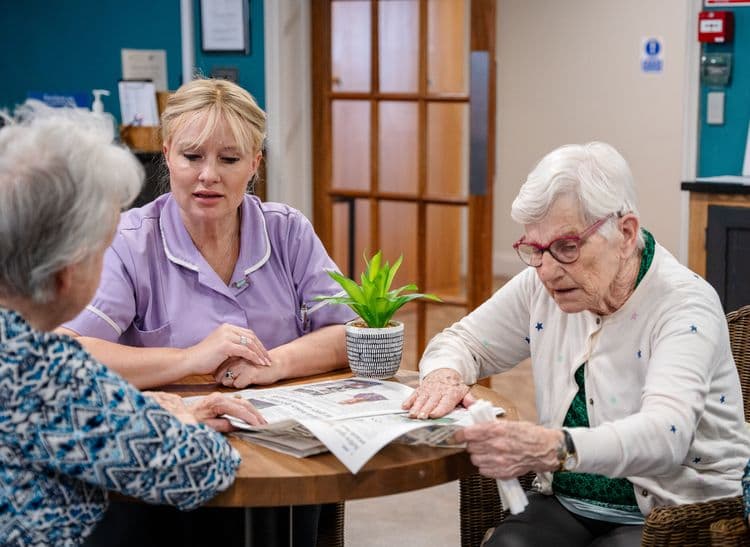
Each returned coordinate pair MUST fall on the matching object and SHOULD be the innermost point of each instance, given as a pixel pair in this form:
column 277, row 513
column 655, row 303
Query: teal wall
column 75, row 46
column 722, row 147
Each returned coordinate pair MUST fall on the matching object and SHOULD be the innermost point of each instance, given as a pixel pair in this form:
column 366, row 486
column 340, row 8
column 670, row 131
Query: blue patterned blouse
column 70, row 430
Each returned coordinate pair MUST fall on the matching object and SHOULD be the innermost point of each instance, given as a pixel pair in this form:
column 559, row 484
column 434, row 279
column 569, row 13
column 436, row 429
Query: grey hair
column 595, row 175
column 62, row 182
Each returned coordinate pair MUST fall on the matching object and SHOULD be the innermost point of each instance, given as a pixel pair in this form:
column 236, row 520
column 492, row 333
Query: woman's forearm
column 143, row 367
column 320, row 351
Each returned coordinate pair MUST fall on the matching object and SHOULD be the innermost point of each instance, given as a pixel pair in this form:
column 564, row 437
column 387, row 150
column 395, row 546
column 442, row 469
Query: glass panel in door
column 397, row 147
column 398, row 43
column 350, row 46
column 447, row 46
column 351, row 144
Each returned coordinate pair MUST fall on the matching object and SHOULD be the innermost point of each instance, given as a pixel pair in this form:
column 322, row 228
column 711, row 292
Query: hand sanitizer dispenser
column 97, row 105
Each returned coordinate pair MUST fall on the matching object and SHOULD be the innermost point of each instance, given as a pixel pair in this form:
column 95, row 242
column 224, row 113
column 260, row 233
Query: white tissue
column 511, row 493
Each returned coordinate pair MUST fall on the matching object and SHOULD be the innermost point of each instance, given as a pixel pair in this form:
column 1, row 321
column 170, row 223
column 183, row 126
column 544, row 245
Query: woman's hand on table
column 209, row 410
column 438, row 394
column 225, row 342
column 506, row 449
column 174, row 404
column 239, row 373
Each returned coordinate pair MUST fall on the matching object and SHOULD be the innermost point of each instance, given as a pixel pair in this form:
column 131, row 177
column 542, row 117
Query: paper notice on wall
column 652, row 54
column 145, row 64
column 138, row 103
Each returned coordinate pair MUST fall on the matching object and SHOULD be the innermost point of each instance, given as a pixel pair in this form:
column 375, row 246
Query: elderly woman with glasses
column 637, row 393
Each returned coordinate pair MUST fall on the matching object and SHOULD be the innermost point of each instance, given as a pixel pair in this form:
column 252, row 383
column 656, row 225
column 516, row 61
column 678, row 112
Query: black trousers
column 142, row 525
column 546, row 522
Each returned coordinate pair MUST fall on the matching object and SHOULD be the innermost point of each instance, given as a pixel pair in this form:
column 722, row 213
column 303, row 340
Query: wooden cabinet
column 719, row 235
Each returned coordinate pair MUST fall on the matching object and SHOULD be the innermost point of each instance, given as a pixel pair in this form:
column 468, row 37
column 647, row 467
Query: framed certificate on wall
column 225, row 26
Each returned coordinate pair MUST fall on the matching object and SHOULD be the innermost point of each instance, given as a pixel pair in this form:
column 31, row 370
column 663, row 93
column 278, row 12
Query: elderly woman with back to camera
column 637, row 393
column 207, row 279
column 70, row 429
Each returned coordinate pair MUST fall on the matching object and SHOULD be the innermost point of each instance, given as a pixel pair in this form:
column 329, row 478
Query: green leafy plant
column 372, row 298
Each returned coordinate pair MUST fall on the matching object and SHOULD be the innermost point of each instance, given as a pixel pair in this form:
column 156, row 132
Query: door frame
column 482, row 39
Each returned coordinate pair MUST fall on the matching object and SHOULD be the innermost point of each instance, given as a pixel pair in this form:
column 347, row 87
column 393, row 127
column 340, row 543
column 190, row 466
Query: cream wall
column 288, row 89
column 568, row 71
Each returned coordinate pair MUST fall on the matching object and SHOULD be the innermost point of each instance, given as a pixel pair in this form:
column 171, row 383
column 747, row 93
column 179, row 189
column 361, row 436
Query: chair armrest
column 687, row 524
column 331, row 525
column 481, row 508
column 730, row 532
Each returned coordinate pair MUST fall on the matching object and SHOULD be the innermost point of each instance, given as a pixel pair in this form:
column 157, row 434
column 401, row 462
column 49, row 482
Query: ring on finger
column 243, row 340
column 229, row 374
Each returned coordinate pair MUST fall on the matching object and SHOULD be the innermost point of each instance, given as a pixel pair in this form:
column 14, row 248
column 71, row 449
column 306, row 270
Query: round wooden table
column 269, row 478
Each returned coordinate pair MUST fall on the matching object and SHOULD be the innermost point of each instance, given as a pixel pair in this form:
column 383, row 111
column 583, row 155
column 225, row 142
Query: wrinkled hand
column 174, row 404
column 245, row 374
column 438, row 394
column 210, row 409
column 223, row 343
column 504, row 449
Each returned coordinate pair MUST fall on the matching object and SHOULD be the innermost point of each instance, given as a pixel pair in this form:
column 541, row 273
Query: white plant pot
column 374, row 353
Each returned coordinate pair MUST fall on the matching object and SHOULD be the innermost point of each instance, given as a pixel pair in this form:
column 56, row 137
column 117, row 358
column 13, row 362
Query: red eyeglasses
column 565, row 250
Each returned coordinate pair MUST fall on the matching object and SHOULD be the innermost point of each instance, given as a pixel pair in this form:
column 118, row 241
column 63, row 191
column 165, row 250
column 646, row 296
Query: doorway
column 403, row 146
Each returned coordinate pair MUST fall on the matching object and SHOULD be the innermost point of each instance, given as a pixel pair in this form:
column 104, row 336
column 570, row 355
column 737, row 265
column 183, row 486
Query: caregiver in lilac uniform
column 208, row 279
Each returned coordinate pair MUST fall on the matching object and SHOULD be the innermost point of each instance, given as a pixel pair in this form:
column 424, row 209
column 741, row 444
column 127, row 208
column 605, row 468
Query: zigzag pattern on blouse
column 70, row 429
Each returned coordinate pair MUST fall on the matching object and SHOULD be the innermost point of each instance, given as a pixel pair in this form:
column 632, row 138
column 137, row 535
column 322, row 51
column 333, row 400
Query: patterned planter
column 374, row 353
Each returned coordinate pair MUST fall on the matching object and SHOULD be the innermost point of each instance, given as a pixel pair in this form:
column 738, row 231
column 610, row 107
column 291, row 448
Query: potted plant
column 374, row 341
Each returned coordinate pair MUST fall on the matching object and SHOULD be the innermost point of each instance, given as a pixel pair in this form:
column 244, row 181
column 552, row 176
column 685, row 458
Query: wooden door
column 403, row 147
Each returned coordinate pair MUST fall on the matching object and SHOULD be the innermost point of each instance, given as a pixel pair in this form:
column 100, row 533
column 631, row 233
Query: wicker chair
column 730, row 532
column 717, row 522
column 331, row 525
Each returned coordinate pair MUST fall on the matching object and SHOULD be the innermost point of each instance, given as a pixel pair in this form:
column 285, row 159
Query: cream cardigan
column 664, row 400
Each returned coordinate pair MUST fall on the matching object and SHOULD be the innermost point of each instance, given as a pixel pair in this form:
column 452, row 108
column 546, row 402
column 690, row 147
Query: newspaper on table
column 353, row 418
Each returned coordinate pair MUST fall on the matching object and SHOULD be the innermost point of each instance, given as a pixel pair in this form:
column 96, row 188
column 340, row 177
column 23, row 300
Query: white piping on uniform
column 106, row 318
column 170, row 256
column 266, row 256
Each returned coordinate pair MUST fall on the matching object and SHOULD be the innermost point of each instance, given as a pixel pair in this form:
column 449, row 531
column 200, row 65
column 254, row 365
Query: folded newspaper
column 353, row 418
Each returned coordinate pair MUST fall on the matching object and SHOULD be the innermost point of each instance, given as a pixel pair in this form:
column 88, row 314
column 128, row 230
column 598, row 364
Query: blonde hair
column 215, row 101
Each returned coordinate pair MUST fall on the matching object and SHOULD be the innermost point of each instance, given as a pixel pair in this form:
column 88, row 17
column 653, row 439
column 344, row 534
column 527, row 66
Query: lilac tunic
column 157, row 290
